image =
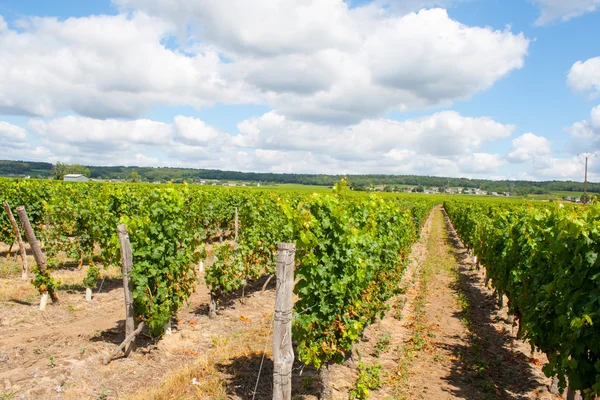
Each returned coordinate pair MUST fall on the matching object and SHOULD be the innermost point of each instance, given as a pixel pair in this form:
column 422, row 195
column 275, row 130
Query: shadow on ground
column 102, row 285
column 488, row 362
column 228, row 300
column 116, row 335
column 242, row 374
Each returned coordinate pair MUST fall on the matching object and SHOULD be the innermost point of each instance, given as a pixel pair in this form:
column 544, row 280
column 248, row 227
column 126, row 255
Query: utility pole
column 587, row 156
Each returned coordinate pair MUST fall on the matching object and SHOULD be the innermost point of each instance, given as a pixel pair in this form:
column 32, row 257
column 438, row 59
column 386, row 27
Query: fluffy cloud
column 103, row 66
column 443, row 143
column 444, row 134
column 96, row 136
column 311, row 60
column 565, row 169
column 585, row 76
column 12, row 136
column 530, row 148
column 193, row 131
column 349, row 64
column 564, row 10
column 585, row 135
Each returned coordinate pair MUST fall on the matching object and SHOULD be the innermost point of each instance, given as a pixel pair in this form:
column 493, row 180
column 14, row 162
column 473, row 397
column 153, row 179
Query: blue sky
column 477, row 88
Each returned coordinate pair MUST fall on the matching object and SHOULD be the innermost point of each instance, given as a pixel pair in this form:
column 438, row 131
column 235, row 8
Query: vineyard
column 352, row 252
column 351, row 249
column 545, row 261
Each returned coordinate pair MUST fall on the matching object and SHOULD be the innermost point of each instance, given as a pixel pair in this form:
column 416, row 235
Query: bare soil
column 56, row 354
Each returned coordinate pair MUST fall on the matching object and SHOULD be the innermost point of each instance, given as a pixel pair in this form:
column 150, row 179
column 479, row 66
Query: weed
column 383, row 344
column 52, row 361
column 307, row 382
column 103, row 394
column 398, row 307
column 369, row 378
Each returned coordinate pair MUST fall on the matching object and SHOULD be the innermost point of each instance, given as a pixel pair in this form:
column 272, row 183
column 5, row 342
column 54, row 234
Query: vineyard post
column 11, row 217
column 237, row 224
column 127, row 261
column 573, row 394
column 283, row 353
column 212, row 307
column 37, row 254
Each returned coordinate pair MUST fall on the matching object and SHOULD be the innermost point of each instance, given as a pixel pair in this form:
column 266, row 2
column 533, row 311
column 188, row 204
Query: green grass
column 296, row 186
column 565, row 194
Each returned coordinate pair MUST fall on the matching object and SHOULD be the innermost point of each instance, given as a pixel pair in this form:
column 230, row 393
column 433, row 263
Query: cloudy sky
column 474, row 88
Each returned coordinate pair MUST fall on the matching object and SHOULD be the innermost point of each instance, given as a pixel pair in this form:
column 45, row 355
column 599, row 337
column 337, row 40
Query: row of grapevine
column 352, row 248
column 545, row 260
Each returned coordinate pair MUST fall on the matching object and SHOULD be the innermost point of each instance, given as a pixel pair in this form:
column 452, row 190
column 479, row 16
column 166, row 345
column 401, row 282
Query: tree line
column 357, row 182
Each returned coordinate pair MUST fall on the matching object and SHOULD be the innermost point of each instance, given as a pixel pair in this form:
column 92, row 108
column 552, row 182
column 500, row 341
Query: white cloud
column 564, row 169
column 442, row 144
column 442, row 134
column 585, row 76
column 445, row 143
column 12, row 136
column 323, row 61
column 97, row 136
column 194, row 131
column 564, row 10
column 104, row 66
column 585, row 135
column 481, row 163
column 530, row 148
column 311, row 60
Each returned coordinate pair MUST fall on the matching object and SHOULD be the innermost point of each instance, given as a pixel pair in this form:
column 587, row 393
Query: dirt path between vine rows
column 462, row 345
column 444, row 336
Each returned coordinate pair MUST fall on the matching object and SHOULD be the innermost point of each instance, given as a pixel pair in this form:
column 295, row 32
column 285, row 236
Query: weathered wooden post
column 127, row 261
column 37, row 254
column 212, row 306
column 573, row 394
column 283, row 353
column 24, row 268
column 237, row 224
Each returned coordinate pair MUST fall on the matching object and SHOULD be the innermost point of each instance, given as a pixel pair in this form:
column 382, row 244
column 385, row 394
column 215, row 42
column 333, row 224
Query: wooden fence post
column 283, row 353
column 24, row 268
column 37, row 254
column 212, row 306
column 573, row 394
column 237, row 224
column 127, row 261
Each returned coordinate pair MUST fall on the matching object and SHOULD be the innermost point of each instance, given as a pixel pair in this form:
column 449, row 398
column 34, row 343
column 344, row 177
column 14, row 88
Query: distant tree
column 59, row 170
column 78, row 169
column 135, row 177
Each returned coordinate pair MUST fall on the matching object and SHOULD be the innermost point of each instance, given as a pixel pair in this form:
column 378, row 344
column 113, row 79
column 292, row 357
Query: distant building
column 75, row 178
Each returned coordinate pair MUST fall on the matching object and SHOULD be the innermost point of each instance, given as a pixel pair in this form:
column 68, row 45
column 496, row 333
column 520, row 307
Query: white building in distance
column 75, row 178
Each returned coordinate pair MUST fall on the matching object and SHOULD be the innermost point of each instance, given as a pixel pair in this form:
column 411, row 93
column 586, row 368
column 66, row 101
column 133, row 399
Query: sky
column 499, row 89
